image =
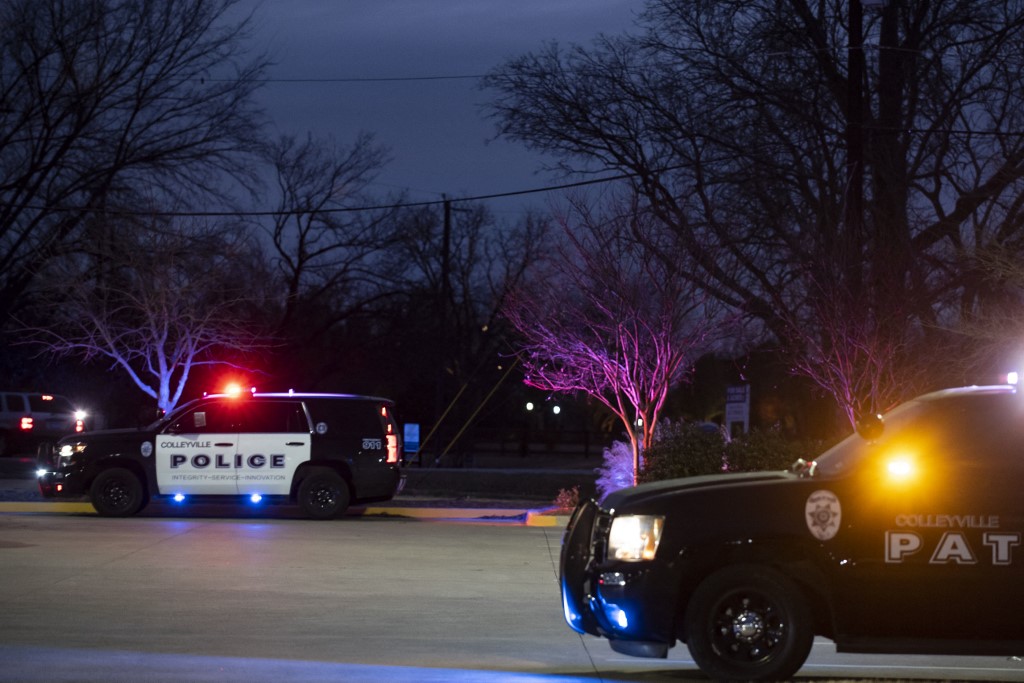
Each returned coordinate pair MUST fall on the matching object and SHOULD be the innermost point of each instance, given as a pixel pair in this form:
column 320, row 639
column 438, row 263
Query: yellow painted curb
column 540, row 519
column 48, row 507
column 441, row 512
column 527, row 517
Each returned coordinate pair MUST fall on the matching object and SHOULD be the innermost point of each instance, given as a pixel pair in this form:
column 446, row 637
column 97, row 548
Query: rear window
column 346, row 417
column 48, row 403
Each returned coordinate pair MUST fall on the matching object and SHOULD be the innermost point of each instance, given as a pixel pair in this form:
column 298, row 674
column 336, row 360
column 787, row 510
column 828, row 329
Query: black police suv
column 322, row 451
column 906, row 540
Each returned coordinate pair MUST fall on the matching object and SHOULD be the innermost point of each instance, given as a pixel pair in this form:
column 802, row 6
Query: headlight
column 67, row 452
column 634, row 538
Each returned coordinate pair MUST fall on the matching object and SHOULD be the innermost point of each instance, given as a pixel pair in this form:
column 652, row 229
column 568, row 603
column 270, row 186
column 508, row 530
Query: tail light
column 26, row 424
column 394, row 452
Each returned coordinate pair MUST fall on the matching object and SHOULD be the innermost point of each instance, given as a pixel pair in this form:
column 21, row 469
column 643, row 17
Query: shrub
column 688, row 449
column 567, row 499
column 617, row 471
column 683, row 449
column 762, row 450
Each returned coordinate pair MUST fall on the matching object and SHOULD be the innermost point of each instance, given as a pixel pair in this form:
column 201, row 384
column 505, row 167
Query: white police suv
column 322, row 451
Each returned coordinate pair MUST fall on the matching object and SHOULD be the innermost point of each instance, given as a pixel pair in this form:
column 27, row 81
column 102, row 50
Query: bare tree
column 805, row 169
column 989, row 334
column 616, row 322
column 156, row 299
column 328, row 251
column 459, row 266
column 107, row 104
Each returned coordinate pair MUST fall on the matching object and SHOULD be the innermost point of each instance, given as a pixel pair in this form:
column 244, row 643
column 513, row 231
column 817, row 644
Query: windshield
column 173, row 415
column 842, row 457
column 47, row 403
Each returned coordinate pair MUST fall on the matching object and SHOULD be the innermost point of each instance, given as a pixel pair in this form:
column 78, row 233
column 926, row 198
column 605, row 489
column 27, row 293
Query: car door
column 275, row 439
column 933, row 526
column 197, row 453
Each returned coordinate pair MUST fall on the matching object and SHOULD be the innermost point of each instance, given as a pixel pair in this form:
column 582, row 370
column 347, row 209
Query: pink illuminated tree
column 613, row 320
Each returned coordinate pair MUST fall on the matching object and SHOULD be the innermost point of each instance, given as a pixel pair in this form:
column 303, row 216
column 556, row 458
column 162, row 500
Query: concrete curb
column 525, row 517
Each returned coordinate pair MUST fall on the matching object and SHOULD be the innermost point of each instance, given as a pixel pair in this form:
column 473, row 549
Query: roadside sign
column 411, row 437
column 737, row 408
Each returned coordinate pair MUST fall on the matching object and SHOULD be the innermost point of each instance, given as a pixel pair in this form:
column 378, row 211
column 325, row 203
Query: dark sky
column 434, row 128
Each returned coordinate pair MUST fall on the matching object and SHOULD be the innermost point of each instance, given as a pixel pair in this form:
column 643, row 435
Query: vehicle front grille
column 599, row 536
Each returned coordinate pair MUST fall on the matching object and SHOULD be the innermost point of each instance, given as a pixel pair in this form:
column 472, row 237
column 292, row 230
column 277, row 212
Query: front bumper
column 631, row 604
column 60, row 485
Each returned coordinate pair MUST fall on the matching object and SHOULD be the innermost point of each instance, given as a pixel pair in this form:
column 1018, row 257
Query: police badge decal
column 823, row 513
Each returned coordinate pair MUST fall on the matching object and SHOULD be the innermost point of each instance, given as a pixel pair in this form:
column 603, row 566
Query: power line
column 348, row 209
column 385, row 79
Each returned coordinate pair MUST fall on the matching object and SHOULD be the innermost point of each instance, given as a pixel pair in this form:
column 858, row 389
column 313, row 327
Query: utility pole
column 853, row 219
column 443, row 337
column 444, row 296
column 446, row 267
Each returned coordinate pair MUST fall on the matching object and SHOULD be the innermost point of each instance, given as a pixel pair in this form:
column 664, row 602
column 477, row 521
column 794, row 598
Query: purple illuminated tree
column 155, row 298
column 613, row 320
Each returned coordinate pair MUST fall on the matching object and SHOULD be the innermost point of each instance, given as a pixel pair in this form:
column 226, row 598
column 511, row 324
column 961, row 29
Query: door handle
column 224, row 445
column 296, row 443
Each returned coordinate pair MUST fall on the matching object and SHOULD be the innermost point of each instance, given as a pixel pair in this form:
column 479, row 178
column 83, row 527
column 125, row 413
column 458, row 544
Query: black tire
column 117, row 492
column 748, row 622
column 323, row 494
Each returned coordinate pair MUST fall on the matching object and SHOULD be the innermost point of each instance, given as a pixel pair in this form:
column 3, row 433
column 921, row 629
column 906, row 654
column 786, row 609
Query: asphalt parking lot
column 154, row 599
column 174, row 599
column 417, row 590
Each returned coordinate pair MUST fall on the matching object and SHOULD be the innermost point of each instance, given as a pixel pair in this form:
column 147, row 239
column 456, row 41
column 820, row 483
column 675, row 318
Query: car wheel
column 323, row 494
column 117, row 492
column 748, row 623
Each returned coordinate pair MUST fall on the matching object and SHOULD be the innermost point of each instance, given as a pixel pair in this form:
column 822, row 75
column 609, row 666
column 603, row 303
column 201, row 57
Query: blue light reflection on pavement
column 26, row 664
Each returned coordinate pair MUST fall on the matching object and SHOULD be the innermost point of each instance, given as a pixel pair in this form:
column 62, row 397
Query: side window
column 275, row 417
column 14, row 403
column 967, row 444
column 209, row 418
column 991, row 441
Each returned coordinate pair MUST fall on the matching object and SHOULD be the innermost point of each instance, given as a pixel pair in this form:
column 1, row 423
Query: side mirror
column 45, row 453
column 871, row 426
